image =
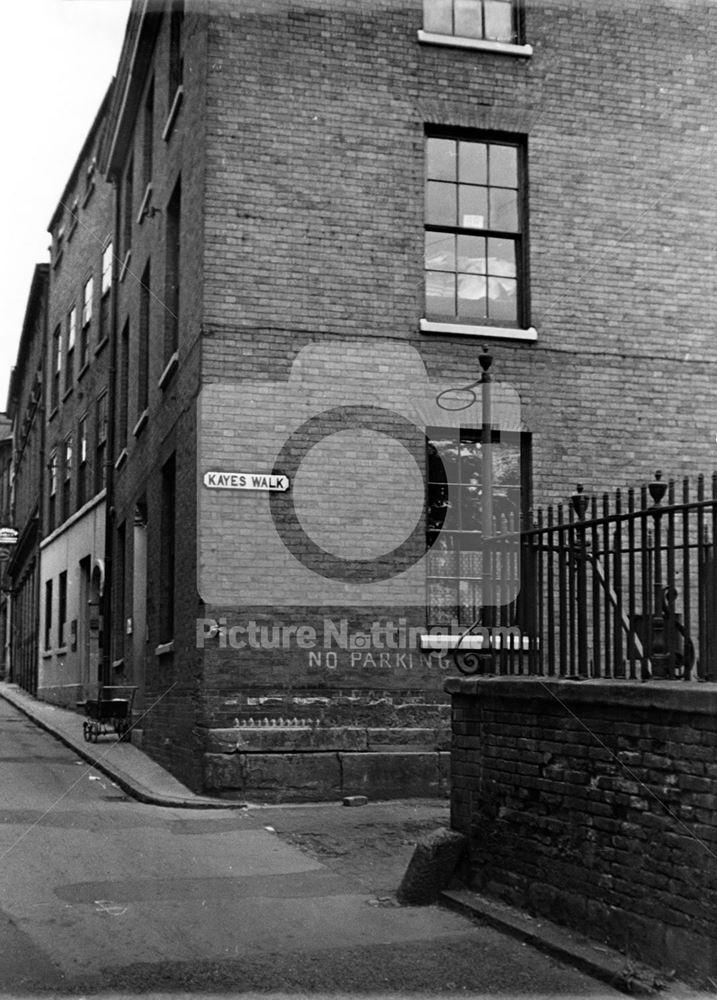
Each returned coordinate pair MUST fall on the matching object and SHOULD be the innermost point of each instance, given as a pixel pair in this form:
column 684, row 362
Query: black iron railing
column 617, row 586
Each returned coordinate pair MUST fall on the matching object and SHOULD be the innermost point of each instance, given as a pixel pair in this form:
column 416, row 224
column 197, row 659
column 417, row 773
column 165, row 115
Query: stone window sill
column 88, row 193
column 173, row 111
column 139, row 426
column 125, row 265
column 144, row 207
column 471, row 330
column 478, row 44
column 169, row 370
column 470, row 642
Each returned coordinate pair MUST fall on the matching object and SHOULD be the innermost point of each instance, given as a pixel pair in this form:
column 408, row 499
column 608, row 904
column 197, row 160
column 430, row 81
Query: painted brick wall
column 593, row 805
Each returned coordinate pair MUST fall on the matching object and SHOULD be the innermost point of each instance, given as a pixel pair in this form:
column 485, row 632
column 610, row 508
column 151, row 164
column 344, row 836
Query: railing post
column 659, row 653
column 490, row 553
column 580, row 504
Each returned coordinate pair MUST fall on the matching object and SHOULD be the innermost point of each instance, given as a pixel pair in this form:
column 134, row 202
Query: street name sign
column 246, row 481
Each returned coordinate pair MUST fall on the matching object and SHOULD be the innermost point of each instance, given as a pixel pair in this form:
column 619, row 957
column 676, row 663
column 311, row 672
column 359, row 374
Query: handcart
column 110, row 711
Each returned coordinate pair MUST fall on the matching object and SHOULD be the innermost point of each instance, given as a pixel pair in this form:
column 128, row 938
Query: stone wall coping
column 679, row 696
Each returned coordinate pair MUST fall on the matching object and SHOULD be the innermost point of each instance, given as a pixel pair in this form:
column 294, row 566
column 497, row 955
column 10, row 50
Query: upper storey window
column 58, row 245
column 89, row 181
column 493, row 20
column 474, row 231
column 176, row 21
column 495, row 25
column 176, row 65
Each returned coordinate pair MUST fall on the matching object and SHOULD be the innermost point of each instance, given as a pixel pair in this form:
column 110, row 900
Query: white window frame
column 106, row 269
column 71, row 328
column 498, row 46
column 87, row 293
column 464, row 325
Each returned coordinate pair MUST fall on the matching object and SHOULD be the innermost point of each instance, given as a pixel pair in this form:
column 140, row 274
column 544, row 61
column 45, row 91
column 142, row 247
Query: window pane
column 506, row 464
column 473, row 206
column 437, row 507
column 471, row 600
column 442, row 603
column 501, row 258
column 440, row 252
column 437, row 472
column 471, row 254
column 499, row 20
column 441, row 159
column 440, row 204
column 447, row 450
column 471, row 296
column 440, row 293
column 472, row 163
column 443, row 557
column 503, row 294
column 107, row 269
column 504, row 209
column 504, row 166
column 471, row 508
column 438, row 16
column 471, row 564
column 468, row 19
column 471, row 461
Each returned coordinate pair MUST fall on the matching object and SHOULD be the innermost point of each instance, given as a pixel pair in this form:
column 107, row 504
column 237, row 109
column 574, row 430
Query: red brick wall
column 593, row 804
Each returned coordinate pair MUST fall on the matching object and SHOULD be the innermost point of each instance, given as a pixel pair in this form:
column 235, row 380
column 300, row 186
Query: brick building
column 79, row 326
column 324, row 211
column 8, row 538
column 26, row 411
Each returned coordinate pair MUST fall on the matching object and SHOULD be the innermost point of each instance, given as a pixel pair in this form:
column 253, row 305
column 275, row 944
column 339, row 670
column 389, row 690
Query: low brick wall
column 593, row 804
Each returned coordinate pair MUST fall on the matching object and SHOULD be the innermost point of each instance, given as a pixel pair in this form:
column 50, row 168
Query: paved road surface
column 101, row 894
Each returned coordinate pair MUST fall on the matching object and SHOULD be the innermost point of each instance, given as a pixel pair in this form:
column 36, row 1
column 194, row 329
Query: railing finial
column 657, row 488
column 580, row 501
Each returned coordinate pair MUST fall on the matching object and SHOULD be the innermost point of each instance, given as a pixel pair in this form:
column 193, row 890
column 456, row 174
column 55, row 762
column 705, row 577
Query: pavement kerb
column 121, row 778
column 596, row 960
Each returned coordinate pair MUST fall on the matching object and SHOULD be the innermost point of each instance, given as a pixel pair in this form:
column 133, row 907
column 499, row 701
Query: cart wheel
column 95, row 733
column 86, row 731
